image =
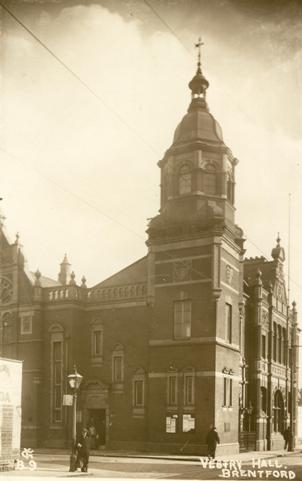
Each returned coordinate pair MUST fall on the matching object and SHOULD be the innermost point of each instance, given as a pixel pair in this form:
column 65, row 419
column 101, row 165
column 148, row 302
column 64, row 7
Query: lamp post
column 74, row 381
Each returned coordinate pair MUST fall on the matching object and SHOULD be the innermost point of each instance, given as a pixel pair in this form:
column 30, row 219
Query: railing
column 98, row 294
column 65, row 293
column 119, row 293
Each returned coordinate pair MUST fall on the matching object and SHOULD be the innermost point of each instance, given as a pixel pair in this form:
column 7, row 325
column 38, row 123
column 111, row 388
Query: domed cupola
column 198, row 123
column 198, row 170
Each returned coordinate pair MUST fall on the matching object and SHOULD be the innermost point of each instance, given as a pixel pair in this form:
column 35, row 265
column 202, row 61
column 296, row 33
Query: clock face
column 6, row 290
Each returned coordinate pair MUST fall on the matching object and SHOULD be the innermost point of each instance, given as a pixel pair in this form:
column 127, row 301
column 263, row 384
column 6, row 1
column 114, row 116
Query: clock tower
column 195, row 282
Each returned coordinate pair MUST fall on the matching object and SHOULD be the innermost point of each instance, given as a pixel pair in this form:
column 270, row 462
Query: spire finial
column 198, row 46
column 199, row 83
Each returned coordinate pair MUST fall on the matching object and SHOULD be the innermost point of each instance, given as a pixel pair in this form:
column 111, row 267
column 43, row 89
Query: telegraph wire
column 82, row 82
column 113, row 111
column 167, row 26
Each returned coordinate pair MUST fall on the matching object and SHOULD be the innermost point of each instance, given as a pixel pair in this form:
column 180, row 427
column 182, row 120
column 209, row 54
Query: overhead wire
column 99, row 98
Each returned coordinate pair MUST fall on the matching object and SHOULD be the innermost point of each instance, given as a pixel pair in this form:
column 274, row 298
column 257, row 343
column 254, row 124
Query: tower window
column 184, row 180
column 230, row 189
column 228, row 323
column 182, row 319
column 209, row 180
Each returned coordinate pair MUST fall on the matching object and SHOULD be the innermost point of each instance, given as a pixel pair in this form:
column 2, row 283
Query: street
column 57, row 465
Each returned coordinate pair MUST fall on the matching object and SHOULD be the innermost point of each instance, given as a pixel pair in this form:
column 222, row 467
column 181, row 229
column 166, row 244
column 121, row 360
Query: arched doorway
column 278, row 417
column 95, row 410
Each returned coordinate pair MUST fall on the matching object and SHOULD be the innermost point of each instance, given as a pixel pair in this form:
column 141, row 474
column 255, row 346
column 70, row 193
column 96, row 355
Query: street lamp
column 74, row 381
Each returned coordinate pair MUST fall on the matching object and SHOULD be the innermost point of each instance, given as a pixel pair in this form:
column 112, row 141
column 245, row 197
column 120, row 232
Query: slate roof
column 133, row 274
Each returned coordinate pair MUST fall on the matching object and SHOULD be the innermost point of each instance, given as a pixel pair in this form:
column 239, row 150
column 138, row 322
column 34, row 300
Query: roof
column 44, row 281
column 198, row 124
column 267, row 268
column 135, row 273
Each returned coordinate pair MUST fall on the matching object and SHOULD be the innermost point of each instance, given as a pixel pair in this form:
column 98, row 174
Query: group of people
column 88, row 439
column 212, row 439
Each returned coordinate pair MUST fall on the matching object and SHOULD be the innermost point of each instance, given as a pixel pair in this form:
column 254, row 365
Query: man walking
column 287, row 435
column 212, row 440
column 83, row 449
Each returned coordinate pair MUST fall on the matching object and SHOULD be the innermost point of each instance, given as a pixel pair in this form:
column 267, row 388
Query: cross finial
column 198, row 45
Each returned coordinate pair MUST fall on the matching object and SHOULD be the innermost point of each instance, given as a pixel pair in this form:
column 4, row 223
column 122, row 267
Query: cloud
column 87, row 177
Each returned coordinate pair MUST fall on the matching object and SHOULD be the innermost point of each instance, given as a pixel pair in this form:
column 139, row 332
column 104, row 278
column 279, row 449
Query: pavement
column 244, row 456
column 110, row 465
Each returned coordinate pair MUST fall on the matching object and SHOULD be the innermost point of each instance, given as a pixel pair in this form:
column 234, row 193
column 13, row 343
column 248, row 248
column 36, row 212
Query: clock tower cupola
column 198, row 169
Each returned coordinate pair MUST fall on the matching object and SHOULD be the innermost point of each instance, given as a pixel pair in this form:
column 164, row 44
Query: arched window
column 56, row 372
column 172, row 388
column 184, row 180
column 230, row 188
column 263, row 399
column 278, row 412
column 279, row 359
column 138, row 389
column 189, row 387
column 118, row 364
column 210, row 180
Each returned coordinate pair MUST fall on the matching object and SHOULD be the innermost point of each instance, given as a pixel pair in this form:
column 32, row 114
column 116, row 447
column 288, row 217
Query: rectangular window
column 138, row 393
column 185, row 183
column 275, row 342
column 227, row 392
column 225, row 388
column 97, row 343
column 228, row 323
column 263, row 346
column 189, row 389
column 57, row 394
column 26, row 324
column 230, row 392
column 172, row 390
column 209, row 183
column 182, row 319
column 117, row 369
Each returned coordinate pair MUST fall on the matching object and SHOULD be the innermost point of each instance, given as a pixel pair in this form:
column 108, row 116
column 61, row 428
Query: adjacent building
column 190, row 335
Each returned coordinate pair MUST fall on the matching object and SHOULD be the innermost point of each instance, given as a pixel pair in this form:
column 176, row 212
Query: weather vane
column 198, row 45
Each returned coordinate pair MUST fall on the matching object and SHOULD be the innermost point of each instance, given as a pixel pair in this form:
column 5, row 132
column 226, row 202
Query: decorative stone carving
column 229, row 272
column 182, row 271
column 6, row 290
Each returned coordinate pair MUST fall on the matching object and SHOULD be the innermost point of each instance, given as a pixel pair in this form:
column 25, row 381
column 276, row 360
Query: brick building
column 190, row 335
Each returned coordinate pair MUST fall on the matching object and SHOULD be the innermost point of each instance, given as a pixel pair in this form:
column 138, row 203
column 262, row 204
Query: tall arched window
column 210, row 180
column 56, row 372
column 184, row 180
column 118, row 364
column 278, row 412
column 230, row 188
column 263, row 399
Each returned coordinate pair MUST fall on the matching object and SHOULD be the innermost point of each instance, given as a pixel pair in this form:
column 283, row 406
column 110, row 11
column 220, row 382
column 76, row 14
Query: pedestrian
column 93, row 434
column 212, row 440
column 83, row 449
column 287, row 435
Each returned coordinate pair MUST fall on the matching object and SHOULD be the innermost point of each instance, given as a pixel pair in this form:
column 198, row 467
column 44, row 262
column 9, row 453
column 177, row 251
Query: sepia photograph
column 150, row 239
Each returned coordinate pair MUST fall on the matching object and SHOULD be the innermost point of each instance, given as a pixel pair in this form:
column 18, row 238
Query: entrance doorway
column 98, row 418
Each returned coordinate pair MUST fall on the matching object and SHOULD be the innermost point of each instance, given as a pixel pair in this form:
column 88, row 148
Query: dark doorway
column 97, row 417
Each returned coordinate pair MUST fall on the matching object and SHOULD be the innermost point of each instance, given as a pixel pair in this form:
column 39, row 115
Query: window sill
column 138, row 412
column 172, row 408
column 117, row 387
column 97, row 360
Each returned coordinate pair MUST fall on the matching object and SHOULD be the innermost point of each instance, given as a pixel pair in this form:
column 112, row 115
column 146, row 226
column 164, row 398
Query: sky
column 80, row 142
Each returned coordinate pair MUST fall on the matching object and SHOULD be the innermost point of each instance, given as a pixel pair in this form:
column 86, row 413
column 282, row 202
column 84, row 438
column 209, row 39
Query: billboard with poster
column 10, row 410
